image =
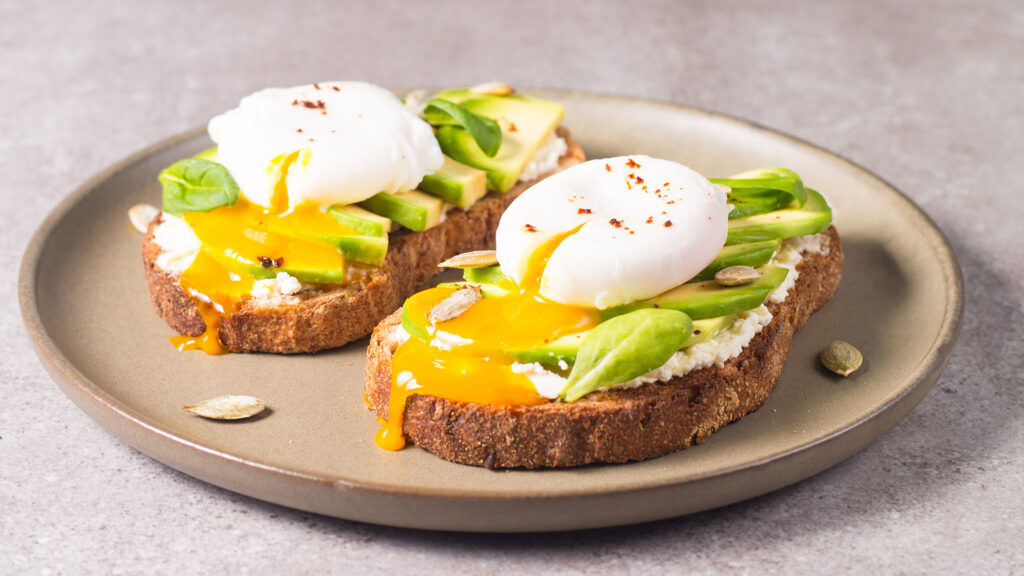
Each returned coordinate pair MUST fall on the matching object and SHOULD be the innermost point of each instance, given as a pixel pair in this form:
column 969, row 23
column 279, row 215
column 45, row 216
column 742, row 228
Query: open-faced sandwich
column 632, row 308
column 322, row 207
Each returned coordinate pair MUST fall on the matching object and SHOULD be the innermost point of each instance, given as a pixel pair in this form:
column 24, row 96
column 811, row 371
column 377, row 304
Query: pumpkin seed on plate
column 141, row 215
column 228, row 407
column 841, row 357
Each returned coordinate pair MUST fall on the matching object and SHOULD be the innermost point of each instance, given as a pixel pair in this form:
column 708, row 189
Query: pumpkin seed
column 477, row 259
column 454, row 305
column 736, row 275
column 141, row 215
column 841, row 357
column 493, row 88
column 228, row 407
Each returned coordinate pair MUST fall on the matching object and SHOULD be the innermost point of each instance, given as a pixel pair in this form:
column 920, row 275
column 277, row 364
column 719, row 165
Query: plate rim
column 90, row 397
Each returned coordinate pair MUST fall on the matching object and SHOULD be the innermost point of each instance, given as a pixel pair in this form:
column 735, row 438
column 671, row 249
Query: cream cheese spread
column 179, row 245
column 546, row 159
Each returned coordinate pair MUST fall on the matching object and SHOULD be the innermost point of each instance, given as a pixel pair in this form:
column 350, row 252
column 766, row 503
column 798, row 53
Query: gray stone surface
column 930, row 95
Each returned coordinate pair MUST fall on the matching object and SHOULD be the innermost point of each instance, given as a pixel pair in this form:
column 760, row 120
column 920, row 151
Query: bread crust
column 331, row 315
column 616, row 425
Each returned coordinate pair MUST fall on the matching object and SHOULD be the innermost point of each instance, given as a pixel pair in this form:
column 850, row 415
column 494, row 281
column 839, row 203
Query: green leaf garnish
column 750, row 201
column 781, row 179
column 484, row 131
column 624, row 347
column 197, row 185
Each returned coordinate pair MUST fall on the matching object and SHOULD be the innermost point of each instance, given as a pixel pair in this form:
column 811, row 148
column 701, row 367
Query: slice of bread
column 327, row 316
column 615, row 425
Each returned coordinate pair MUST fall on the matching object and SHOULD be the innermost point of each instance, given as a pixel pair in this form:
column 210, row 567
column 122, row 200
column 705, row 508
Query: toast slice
column 614, row 425
column 328, row 316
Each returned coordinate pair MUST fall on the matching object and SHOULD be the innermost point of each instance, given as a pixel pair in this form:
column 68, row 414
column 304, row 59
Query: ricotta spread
column 283, row 284
column 446, row 340
column 789, row 255
column 178, row 244
column 546, row 159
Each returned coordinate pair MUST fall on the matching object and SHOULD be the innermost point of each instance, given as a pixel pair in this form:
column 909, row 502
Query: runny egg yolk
column 479, row 371
column 246, row 242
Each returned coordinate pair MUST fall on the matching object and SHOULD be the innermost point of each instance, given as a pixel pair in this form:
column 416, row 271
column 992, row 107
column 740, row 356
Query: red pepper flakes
column 607, row 168
column 632, row 163
column 583, row 211
column 615, row 222
column 298, row 130
column 666, row 184
column 668, row 223
column 335, row 88
column 650, row 220
column 529, row 227
column 318, row 105
column 316, row 86
column 512, row 127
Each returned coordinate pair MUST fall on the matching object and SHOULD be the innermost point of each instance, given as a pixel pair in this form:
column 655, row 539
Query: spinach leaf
column 753, row 201
column 771, row 178
column 484, row 131
column 625, row 347
column 197, row 185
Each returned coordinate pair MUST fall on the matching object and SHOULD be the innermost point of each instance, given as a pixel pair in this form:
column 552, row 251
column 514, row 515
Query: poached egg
column 343, row 142
column 633, row 227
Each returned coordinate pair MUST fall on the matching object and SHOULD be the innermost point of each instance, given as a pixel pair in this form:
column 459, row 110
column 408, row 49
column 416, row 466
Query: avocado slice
column 314, row 225
column 361, row 220
column 814, row 217
column 565, row 348
column 526, row 124
column 709, row 299
column 456, row 183
column 304, row 271
column 413, row 209
column 410, row 326
column 752, row 201
column 487, row 275
column 751, row 254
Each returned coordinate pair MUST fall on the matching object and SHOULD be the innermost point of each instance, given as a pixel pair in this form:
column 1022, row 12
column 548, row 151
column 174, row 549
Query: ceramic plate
column 85, row 304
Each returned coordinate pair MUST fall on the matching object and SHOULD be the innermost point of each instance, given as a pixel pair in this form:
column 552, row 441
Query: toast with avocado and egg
column 324, row 206
column 519, row 367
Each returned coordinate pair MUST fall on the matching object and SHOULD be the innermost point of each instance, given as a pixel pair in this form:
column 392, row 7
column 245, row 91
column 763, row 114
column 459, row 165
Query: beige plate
column 85, row 305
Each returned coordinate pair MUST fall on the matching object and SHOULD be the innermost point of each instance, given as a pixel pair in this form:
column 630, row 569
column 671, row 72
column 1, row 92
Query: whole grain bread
column 327, row 316
column 615, row 425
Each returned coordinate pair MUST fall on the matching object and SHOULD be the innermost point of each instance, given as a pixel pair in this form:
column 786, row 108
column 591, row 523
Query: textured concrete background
column 930, row 95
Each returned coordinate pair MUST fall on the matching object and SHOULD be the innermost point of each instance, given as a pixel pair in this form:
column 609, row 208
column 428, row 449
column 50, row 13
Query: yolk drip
column 246, row 242
column 224, row 289
column 480, row 371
